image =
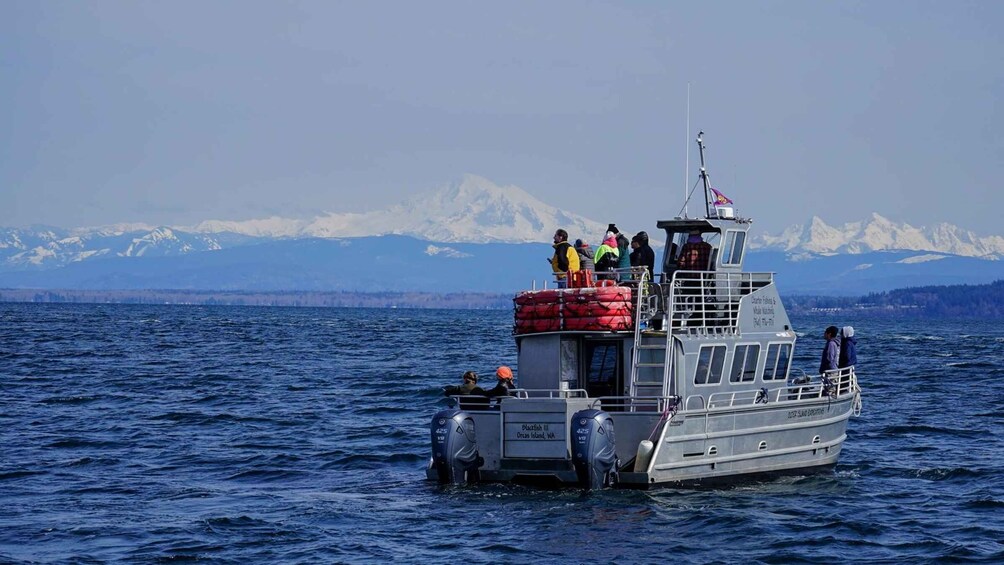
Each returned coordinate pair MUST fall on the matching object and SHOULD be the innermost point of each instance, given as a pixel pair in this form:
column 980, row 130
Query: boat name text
column 805, row 412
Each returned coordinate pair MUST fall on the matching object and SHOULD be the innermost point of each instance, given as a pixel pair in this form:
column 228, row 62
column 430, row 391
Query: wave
column 972, row 365
column 369, row 461
column 985, row 504
column 902, row 429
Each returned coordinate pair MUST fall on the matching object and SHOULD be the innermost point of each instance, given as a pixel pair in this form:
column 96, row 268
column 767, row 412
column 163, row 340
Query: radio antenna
column 686, row 166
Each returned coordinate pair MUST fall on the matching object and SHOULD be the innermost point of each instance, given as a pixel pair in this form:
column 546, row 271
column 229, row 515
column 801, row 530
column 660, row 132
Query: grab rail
column 834, row 384
column 706, row 299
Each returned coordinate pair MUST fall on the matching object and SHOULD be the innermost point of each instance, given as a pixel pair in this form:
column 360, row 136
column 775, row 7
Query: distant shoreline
column 316, row 299
column 963, row 301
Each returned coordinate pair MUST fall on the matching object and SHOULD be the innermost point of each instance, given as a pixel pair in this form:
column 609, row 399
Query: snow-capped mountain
column 47, row 247
column 474, row 210
column 879, row 234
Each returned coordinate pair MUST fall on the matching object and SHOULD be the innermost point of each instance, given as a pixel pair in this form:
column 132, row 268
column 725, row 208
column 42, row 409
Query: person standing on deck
column 623, row 251
column 848, row 348
column 585, row 256
column 831, row 351
column 643, row 256
column 607, row 257
column 565, row 258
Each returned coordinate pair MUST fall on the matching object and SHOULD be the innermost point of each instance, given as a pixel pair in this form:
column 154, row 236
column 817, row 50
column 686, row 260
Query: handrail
column 631, row 403
column 711, row 299
column 842, row 382
column 523, row 393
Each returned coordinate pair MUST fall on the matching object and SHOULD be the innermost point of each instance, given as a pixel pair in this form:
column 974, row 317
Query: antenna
column 704, row 175
column 686, row 166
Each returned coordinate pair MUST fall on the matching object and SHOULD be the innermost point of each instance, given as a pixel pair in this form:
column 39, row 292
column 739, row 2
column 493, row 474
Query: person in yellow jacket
column 565, row 258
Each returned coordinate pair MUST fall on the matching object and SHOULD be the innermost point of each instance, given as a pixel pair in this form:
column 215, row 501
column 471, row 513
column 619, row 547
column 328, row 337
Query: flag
column 720, row 199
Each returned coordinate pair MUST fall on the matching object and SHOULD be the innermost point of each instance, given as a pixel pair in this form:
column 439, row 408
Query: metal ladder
column 651, row 373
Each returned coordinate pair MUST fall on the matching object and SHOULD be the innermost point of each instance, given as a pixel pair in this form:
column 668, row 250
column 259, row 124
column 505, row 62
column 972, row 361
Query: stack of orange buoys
column 605, row 308
column 538, row 311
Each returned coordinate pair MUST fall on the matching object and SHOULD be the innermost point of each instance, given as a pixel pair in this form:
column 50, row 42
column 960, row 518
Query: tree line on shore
column 966, row 301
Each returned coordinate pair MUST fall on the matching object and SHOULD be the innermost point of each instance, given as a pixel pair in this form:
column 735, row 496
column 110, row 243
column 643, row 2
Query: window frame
column 777, row 360
column 711, row 364
column 744, row 363
column 729, row 244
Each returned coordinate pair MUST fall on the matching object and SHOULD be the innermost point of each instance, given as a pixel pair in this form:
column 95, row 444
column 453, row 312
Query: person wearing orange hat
column 504, row 385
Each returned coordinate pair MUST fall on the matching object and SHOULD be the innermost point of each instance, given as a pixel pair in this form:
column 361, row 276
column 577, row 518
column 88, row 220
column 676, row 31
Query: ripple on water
column 156, row 433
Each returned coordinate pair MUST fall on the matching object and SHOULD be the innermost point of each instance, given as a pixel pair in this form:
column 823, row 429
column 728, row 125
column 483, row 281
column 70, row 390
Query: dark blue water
column 242, row 435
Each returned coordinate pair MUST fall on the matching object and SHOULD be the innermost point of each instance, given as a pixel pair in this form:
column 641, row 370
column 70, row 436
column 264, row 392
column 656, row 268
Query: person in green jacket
column 565, row 258
column 607, row 256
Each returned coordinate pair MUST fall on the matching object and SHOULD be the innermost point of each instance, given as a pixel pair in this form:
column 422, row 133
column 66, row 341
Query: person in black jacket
column 470, row 386
column 643, row 256
column 504, row 385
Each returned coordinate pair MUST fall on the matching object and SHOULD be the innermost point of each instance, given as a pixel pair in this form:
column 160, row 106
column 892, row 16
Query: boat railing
column 525, row 393
column 636, row 403
column 832, row 384
column 706, row 301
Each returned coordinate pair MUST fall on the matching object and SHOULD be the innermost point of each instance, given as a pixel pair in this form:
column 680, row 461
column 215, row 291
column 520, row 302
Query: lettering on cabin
column 536, row 432
column 763, row 311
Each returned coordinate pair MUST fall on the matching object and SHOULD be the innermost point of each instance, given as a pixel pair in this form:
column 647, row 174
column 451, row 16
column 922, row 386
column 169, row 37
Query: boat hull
column 528, row 441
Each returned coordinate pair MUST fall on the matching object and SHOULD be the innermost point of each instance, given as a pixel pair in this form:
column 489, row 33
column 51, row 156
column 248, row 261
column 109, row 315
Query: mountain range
column 468, row 236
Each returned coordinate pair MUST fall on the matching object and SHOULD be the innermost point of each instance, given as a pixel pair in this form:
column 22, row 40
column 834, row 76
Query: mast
column 686, row 165
column 704, row 176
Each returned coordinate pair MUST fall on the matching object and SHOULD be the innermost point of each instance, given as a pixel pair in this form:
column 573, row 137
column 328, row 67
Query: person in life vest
column 565, row 258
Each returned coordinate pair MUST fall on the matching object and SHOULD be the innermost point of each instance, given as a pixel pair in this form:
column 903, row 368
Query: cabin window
column 710, row 362
column 744, row 363
column 778, row 361
column 602, row 364
column 732, row 251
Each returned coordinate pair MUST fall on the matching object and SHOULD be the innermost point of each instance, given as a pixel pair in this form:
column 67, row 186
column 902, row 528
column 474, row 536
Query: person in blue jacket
column 831, row 351
column 848, row 348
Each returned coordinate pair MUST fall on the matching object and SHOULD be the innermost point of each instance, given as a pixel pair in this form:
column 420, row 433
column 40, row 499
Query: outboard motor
column 455, row 455
column 594, row 448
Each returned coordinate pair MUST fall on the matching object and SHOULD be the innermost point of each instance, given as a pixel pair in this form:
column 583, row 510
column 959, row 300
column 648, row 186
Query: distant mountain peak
column 472, row 209
column 878, row 233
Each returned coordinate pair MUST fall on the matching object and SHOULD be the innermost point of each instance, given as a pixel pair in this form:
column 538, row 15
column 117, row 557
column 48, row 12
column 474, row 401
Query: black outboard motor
column 594, row 448
column 454, row 447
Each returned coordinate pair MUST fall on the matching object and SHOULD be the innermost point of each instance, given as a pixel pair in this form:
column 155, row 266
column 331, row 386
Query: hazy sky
column 176, row 112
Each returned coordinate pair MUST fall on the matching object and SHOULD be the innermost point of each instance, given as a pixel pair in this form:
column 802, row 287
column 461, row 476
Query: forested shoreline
column 965, row 301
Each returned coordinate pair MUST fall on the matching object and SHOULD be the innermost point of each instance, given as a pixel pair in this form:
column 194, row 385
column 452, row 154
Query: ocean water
column 238, row 434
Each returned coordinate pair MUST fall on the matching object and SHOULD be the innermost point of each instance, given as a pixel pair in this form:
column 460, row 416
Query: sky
column 177, row 112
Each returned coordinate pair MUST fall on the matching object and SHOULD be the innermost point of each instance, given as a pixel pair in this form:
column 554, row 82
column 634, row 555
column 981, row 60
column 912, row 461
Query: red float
column 599, row 323
column 535, row 311
column 593, row 309
column 538, row 325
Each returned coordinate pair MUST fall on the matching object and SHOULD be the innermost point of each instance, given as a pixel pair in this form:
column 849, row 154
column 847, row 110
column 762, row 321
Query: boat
column 678, row 377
